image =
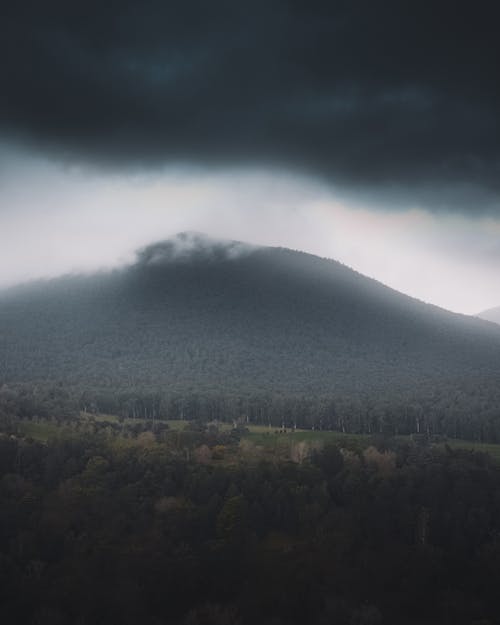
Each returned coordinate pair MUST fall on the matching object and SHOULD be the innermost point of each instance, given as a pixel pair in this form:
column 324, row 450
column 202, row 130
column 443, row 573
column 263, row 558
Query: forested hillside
column 225, row 330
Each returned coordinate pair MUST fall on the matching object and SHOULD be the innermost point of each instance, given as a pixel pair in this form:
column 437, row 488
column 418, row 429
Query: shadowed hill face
column 493, row 314
column 195, row 316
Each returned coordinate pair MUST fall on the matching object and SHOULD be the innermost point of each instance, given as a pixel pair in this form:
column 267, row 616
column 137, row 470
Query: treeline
column 472, row 414
column 94, row 531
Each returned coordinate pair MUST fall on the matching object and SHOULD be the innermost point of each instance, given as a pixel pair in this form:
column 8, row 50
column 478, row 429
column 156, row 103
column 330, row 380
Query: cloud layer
column 396, row 99
column 54, row 220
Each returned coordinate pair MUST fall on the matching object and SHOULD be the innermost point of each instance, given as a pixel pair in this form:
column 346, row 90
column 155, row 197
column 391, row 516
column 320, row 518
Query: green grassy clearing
column 262, row 435
column 259, row 435
column 41, row 431
column 486, row 448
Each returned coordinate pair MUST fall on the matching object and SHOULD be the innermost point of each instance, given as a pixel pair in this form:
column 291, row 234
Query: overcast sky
column 363, row 131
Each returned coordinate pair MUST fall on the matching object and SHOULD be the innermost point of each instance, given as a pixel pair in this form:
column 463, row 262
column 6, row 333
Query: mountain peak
column 187, row 246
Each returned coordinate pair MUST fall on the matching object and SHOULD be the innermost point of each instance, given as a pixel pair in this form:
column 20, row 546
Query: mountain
column 492, row 314
column 200, row 325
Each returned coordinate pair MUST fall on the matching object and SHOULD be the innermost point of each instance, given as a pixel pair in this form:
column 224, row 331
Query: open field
column 262, row 435
column 259, row 435
column 485, row 448
column 40, row 431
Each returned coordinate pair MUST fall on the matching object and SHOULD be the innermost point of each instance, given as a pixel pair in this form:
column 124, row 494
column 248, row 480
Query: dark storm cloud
column 401, row 97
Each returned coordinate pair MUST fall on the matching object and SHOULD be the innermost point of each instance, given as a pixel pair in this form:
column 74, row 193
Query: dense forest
column 197, row 528
column 227, row 331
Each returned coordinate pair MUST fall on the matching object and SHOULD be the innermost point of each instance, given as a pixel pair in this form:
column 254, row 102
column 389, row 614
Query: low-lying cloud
column 185, row 247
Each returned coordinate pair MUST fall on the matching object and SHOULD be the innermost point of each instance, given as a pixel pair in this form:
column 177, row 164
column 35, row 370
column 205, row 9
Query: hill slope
column 492, row 314
column 248, row 327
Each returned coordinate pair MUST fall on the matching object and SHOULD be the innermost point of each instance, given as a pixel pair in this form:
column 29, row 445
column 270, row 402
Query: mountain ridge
column 491, row 314
column 196, row 245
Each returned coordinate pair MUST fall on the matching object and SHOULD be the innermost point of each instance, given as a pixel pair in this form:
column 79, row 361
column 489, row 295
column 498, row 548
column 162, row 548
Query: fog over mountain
column 384, row 116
